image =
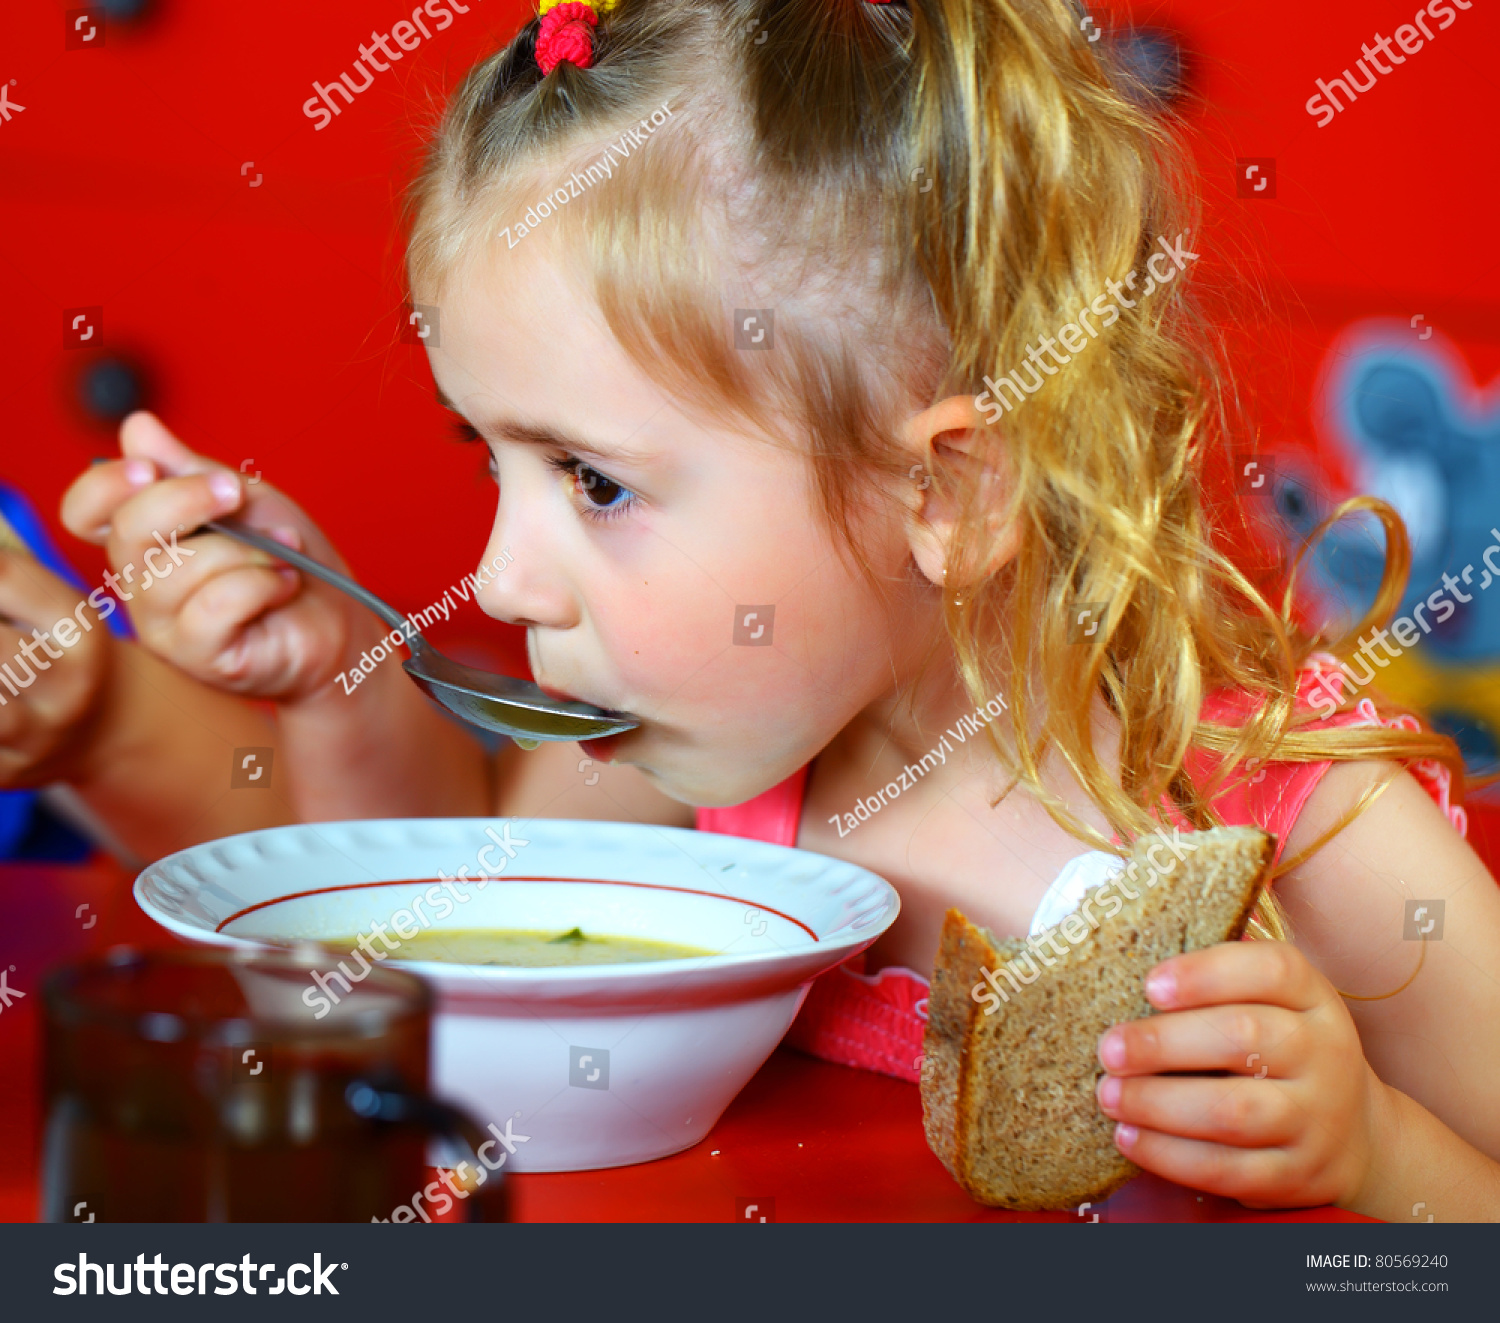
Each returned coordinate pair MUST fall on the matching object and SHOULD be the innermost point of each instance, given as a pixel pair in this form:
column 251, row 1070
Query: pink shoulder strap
column 1275, row 794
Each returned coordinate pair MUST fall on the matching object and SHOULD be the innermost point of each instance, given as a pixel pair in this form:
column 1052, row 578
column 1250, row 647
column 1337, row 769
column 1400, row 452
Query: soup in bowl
column 604, row 989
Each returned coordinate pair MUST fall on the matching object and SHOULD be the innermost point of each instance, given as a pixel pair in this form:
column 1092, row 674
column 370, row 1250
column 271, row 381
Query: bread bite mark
column 1008, row 1097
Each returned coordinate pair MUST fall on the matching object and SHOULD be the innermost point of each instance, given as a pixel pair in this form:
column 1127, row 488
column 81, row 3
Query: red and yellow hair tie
column 567, row 32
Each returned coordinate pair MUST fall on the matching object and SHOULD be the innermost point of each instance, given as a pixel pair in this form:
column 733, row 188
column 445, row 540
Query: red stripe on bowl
column 598, row 881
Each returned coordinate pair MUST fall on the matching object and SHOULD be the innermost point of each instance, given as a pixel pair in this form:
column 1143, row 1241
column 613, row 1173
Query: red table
column 805, row 1141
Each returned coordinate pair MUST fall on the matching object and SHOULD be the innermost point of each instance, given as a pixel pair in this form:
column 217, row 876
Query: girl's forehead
column 525, row 356
column 522, row 329
column 492, row 283
column 508, row 314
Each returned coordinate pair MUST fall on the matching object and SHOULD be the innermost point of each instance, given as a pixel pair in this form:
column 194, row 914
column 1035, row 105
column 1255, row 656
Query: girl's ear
column 945, row 442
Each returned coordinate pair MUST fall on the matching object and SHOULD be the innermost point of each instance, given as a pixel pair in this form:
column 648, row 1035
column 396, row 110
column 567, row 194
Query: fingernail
column 287, row 536
column 1161, row 987
column 225, row 487
column 1112, row 1050
column 1109, row 1092
column 139, row 472
column 1125, row 1136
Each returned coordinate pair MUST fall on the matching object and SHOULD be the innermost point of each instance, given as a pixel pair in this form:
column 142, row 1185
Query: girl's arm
column 1385, row 1106
column 383, row 750
column 1354, row 908
column 149, row 749
column 159, row 763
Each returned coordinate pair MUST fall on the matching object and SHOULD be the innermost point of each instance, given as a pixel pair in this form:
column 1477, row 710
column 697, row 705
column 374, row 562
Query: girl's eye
column 604, row 496
column 600, row 490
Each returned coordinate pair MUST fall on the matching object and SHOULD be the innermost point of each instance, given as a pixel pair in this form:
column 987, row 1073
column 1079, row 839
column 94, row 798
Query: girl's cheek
column 665, row 644
column 639, row 635
column 670, row 645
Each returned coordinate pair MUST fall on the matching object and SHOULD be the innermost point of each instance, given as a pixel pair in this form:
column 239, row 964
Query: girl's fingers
column 208, row 630
column 152, row 452
column 1244, row 1113
column 1275, row 973
column 144, row 439
column 227, row 613
column 155, row 601
column 1249, row 1040
column 89, row 504
column 1268, row 1176
column 148, row 451
column 144, row 436
column 170, row 510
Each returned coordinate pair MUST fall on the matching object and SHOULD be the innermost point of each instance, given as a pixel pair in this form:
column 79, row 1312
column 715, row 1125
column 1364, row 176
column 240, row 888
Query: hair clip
column 567, row 32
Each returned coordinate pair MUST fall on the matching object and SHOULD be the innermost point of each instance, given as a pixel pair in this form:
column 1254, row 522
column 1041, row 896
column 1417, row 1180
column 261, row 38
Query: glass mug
column 197, row 1086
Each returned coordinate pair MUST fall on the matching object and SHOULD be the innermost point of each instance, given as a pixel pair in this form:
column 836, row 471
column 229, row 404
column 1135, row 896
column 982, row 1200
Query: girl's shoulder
column 1271, row 795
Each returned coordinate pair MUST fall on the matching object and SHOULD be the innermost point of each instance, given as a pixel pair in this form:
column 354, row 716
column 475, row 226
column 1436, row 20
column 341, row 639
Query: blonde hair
column 920, row 193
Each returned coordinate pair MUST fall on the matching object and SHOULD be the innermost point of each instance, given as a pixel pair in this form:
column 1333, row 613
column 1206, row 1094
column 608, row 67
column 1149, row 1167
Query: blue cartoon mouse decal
column 1400, row 408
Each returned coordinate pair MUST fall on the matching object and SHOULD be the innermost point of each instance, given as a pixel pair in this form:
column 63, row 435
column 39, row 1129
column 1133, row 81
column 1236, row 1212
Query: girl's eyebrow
column 535, row 434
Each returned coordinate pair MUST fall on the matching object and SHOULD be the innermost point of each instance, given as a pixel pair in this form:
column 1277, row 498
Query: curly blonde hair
column 921, row 192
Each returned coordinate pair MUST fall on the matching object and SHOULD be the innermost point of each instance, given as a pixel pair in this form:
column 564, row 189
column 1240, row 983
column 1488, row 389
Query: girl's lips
column 601, row 750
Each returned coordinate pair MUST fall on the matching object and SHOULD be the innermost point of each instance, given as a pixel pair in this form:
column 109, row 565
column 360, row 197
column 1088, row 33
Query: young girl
column 728, row 387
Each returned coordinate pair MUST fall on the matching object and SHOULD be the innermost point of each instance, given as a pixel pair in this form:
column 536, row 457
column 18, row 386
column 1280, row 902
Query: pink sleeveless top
column 876, row 1021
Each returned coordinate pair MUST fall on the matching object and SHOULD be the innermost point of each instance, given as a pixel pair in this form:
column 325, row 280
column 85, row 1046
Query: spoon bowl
column 513, row 707
column 517, row 708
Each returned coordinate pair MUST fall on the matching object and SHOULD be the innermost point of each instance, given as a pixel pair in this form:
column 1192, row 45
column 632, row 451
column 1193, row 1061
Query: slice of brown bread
column 1008, row 1081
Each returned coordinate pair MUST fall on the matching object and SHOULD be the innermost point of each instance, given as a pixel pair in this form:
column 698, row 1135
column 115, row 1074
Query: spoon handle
column 342, row 582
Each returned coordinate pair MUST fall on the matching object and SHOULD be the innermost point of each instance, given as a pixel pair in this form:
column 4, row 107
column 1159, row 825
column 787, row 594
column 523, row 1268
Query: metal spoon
column 516, row 708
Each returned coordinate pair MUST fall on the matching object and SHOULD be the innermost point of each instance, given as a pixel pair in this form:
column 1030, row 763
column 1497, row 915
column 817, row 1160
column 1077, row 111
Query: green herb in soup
column 509, row 946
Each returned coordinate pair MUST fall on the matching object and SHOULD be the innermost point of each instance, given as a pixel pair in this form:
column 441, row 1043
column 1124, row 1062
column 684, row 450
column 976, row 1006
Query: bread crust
column 962, row 950
column 992, row 1085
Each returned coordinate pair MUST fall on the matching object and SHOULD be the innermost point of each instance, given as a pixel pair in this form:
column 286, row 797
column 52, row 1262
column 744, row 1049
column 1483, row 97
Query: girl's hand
column 48, row 722
column 1294, row 1122
column 224, row 613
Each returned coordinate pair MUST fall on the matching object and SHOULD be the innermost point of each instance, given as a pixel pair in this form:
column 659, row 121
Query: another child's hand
column 46, row 723
column 229, row 615
column 1293, row 1122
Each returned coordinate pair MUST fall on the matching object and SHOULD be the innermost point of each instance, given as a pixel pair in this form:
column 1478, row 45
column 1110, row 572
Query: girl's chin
column 681, row 779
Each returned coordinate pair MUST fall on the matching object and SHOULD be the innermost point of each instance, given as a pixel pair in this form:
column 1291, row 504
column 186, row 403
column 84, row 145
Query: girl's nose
column 520, row 590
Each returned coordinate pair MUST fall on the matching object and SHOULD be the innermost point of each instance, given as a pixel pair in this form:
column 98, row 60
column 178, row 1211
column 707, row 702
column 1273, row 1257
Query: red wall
column 267, row 315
